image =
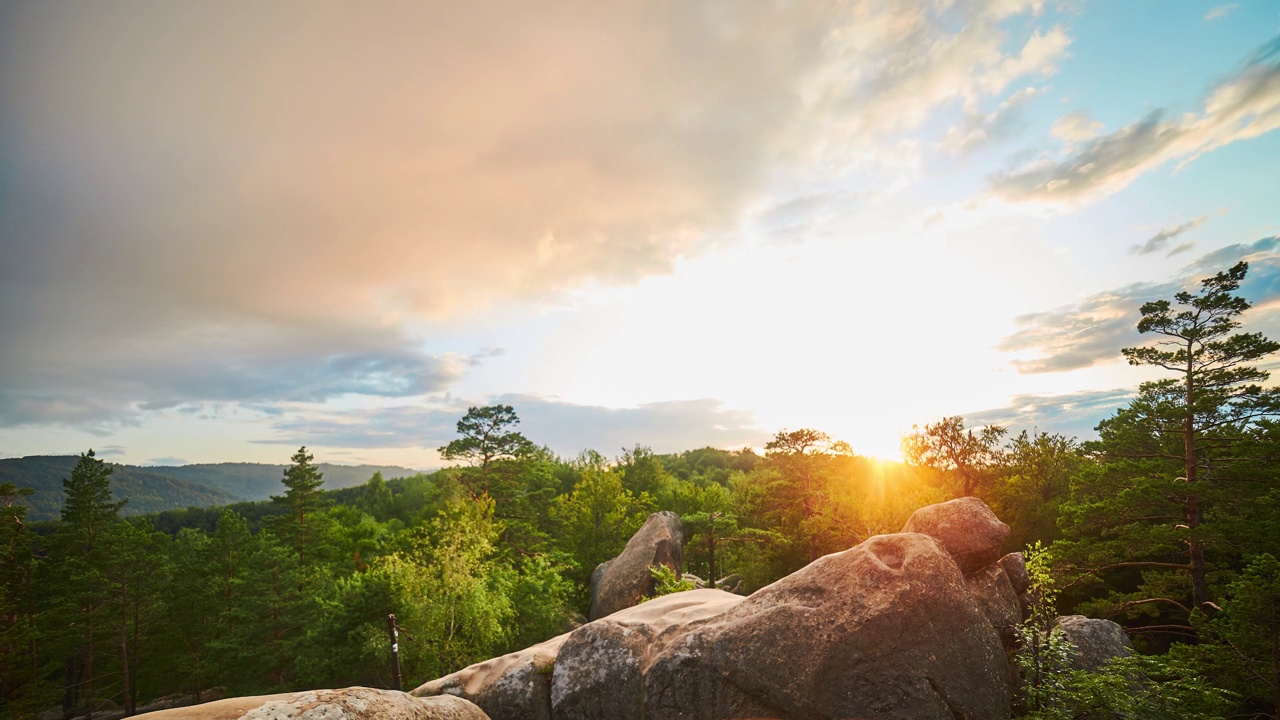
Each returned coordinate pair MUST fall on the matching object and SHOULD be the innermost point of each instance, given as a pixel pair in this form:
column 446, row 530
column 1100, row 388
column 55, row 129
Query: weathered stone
column 620, row 583
column 354, row 703
column 1096, row 641
column 698, row 583
column 887, row 629
column 965, row 527
column 990, row 586
column 600, row 670
column 1015, row 566
column 515, row 685
column 730, row 583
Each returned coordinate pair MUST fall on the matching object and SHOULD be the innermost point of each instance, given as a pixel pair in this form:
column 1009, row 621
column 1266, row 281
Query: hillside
column 258, row 481
column 154, row 489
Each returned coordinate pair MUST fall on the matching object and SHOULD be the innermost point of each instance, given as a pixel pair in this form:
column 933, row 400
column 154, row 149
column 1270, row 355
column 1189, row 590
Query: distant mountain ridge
column 151, row 489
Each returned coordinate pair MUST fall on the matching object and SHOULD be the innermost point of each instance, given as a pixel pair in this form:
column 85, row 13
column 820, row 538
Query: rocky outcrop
column 994, row 593
column 354, row 703
column 891, row 628
column 1096, row 641
column 515, row 685
column 966, row 527
column 619, row 583
column 1015, row 568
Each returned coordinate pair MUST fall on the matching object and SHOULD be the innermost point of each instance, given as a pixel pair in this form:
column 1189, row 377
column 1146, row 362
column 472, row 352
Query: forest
column 1168, row 522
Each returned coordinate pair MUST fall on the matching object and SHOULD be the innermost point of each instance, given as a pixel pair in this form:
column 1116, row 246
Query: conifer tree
column 79, row 559
column 302, row 527
column 1176, row 463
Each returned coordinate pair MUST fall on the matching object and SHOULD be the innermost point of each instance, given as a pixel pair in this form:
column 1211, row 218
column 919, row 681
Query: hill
column 259, row 481
column 155, row 489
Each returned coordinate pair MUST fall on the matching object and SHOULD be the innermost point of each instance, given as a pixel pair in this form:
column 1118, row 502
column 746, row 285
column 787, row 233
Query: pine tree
column 1176, row 464
column 1216, row 395
column 79, row 558
column 302, row 527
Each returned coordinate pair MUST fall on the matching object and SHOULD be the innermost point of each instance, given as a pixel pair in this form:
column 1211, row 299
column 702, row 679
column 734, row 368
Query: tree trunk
column 124, row 644
column 711, row 550
column 1191, row 510
column 137, row 617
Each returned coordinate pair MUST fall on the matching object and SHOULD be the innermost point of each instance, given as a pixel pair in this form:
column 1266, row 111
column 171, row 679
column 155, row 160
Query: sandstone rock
column 698, row 583
column 966, row 527
column 516, row 685
column 1015, row 566
column 887, row 629
column 995, row 594
column 1096, row 641
column 354, row 703
column 600, row 670
column 621, row 582
column 730, row 583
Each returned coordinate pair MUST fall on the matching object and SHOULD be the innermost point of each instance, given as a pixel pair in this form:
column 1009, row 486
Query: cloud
column 1076, row 127
column 166, row 461
column 1244, row 106
column 1220, row 12
column 1094, row 330
column 978, row 130
column 119, row 387
column 1071, row 414
column 331, row 181
column 566, row 428
column 1157, row 242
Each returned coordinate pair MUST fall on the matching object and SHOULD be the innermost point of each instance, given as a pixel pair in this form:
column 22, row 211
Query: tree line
column 1168, row 523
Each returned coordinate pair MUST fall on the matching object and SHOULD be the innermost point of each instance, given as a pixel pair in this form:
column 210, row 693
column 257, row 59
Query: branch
column 1120, row 608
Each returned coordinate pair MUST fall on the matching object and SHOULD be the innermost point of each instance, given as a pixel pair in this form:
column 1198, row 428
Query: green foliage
column 595, row 521
column 1043, row 657
column 666, row 582
column 1138, row 688
column 303, row 527
column 968, row 458
column 479, row 560
column 1243, row 640
column 487, row 435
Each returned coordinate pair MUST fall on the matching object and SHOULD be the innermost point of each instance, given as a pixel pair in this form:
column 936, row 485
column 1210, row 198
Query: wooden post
column 395, row 649
column 711, row 549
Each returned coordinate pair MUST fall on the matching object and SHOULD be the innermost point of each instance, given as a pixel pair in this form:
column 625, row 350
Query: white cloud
column 1160, row 240
column 329, row 181
column 566, row 428
column 1244, row 106
column 1220, row 12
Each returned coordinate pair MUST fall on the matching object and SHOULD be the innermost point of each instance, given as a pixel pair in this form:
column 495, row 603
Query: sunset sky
column 228, row 229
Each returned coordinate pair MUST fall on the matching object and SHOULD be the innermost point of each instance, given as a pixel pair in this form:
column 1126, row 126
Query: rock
column 1096, row 641
column 516, row 685
column 995, row 594
column 966, row 527
column 1015, row 566
column 887, row 629
column 354, row 703
column 698, row 583
column 600, row 670
column 620, row 583
column 730, row 583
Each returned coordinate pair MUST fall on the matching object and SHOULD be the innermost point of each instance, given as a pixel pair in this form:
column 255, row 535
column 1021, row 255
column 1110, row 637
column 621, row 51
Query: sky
column 230, row 229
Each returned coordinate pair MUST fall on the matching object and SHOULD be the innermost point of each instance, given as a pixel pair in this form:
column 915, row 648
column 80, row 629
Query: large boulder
column 966, row 527
column 887, row 629
column 995, row 594
column 600, row 670
column 354, row 703
column 515, row 685
column 619, row 583
column 1015, row 567
column 1096, row 641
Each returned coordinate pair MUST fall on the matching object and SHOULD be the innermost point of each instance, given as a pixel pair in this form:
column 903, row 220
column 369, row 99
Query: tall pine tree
column 1150, row 522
